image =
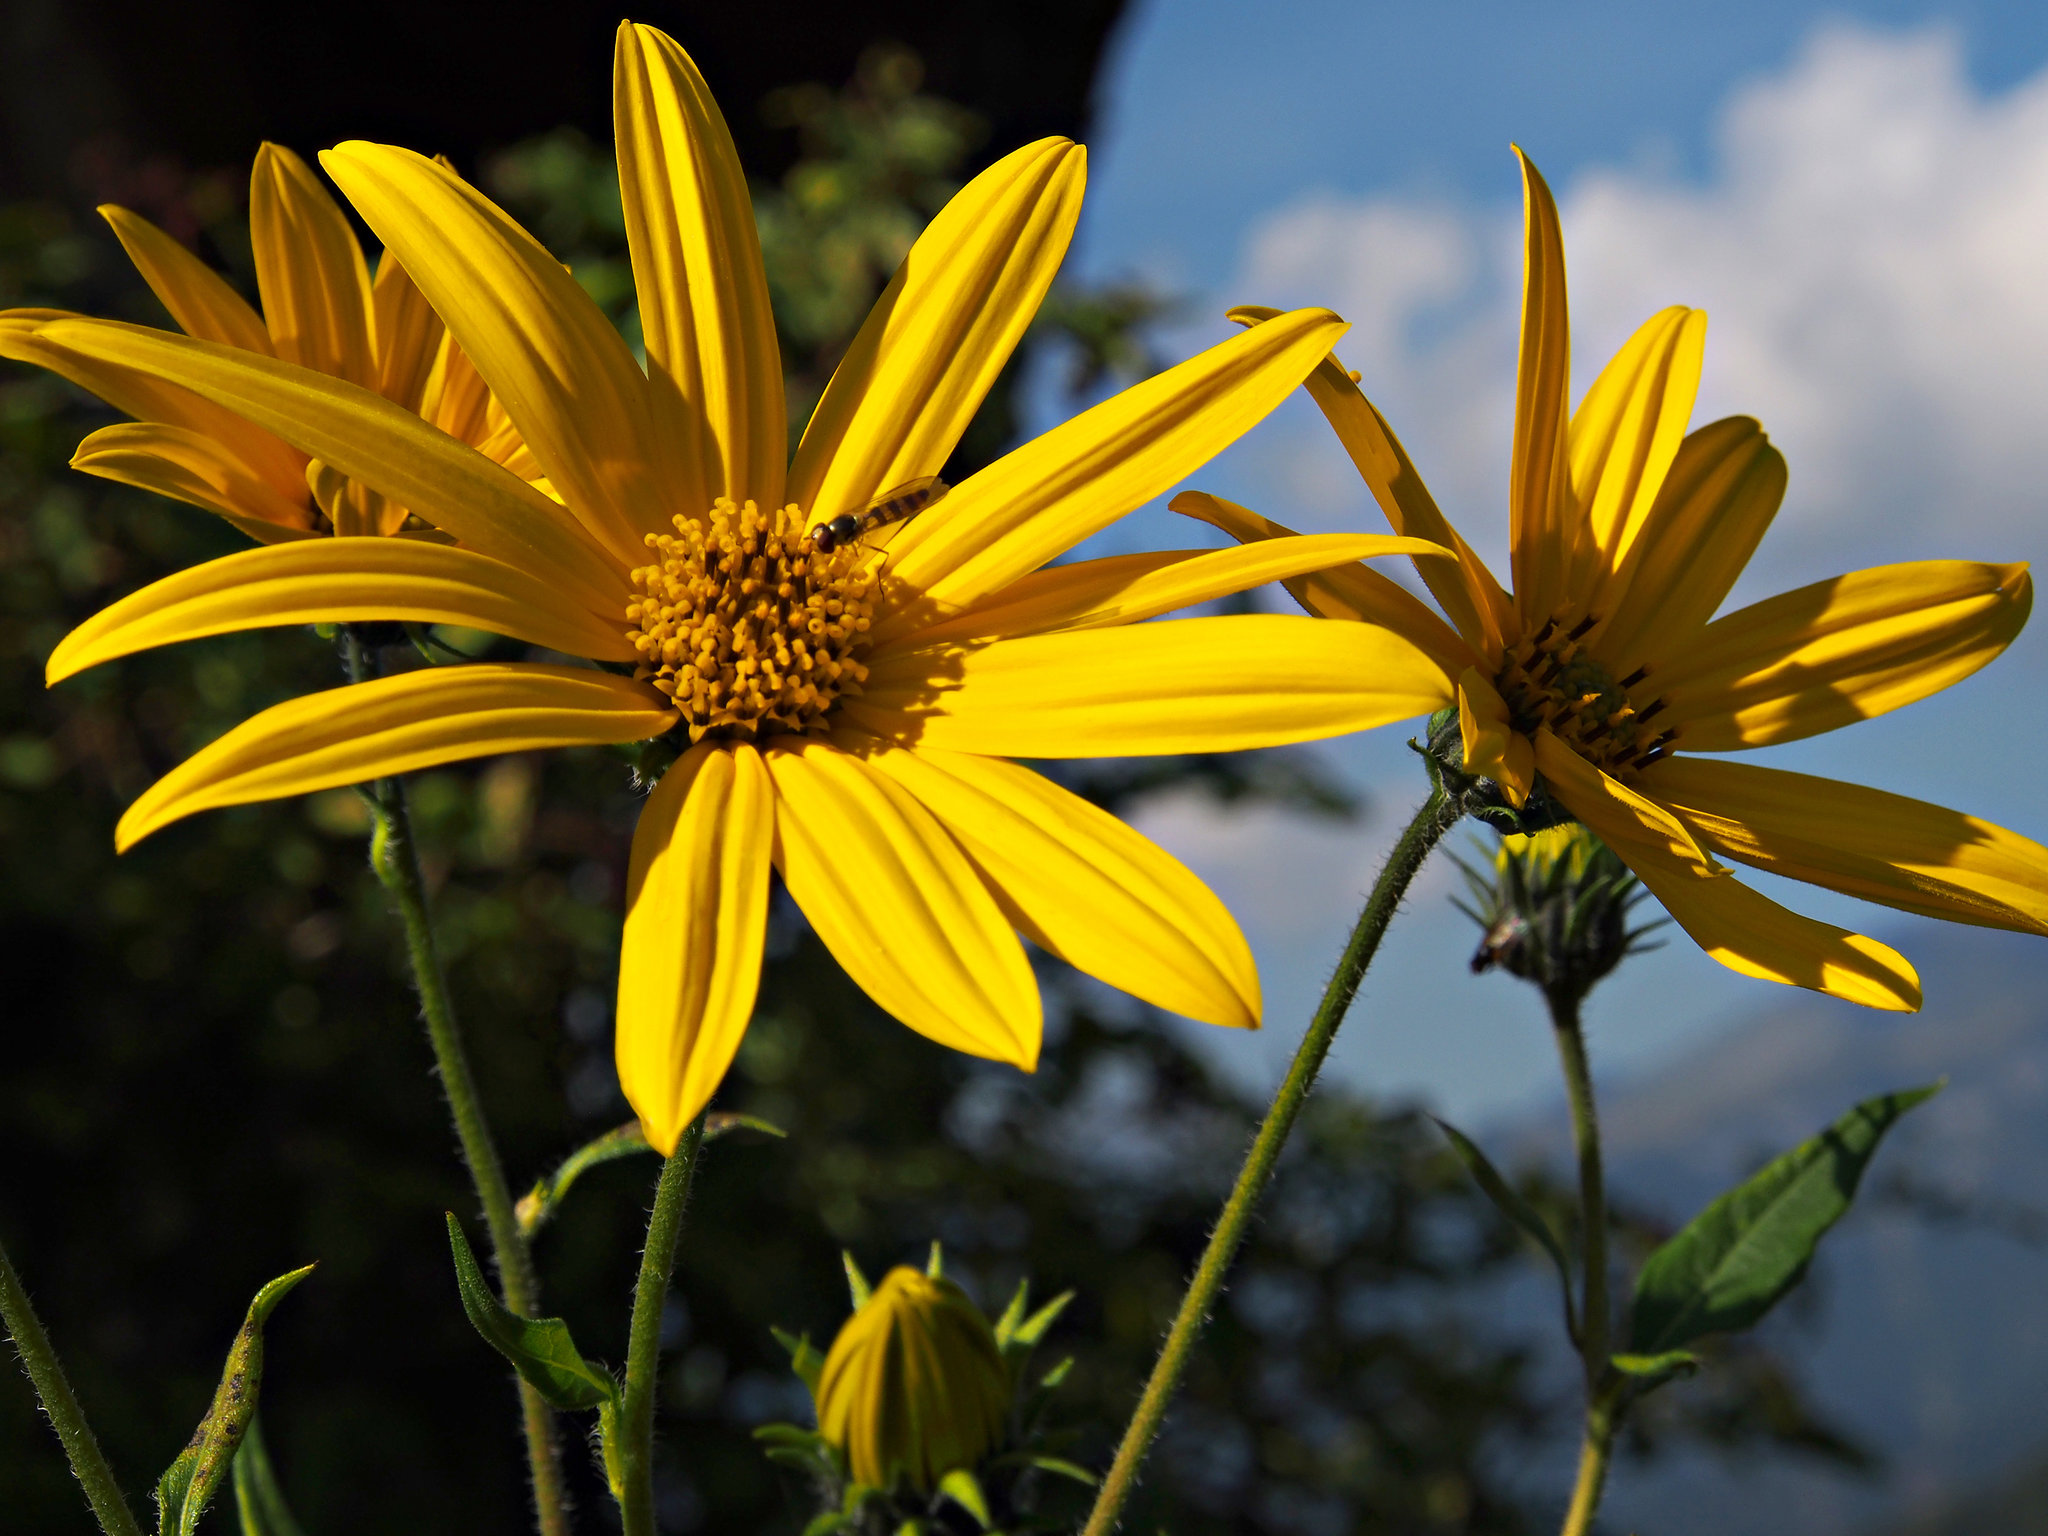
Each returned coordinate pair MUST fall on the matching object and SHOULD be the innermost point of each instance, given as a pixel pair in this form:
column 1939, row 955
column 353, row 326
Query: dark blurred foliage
column 215, row 1072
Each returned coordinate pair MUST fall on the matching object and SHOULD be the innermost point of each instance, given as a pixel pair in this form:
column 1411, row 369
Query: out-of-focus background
column 213, row 1072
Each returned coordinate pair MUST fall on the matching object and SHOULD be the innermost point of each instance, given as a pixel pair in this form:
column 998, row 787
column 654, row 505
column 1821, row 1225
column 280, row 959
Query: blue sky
column 1857, row 194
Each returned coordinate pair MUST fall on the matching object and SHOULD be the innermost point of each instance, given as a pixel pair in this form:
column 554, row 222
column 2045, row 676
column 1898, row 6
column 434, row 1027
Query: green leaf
column 258, row 1499
column 1057, row 1374
column 1735, row 1260
column 856, row 1282
column 831, row 1520
column 960, row 1486
column 1013, row 1314
column 539, row 1348
column 788, row 1434
column 1032, row 1329
column 1059, row 1468
column 803, row 1359
column 1509, row 1202
column 1655, row 1370
column 538, row 1203
column 720, row 1122
column 190, row 1482
column 935, row 1266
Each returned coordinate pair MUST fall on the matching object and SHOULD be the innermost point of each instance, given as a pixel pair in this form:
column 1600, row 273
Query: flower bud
column 1554, row 908
column 914, row 1385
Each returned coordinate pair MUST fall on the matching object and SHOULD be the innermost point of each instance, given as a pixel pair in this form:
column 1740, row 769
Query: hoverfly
column 896, row 506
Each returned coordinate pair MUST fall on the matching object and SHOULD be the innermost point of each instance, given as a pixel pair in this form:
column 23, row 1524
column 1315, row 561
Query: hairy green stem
column 1603, row 1406
column 635, row 1451
column 88, row 1464
column 1438, row 814
column 396, row 861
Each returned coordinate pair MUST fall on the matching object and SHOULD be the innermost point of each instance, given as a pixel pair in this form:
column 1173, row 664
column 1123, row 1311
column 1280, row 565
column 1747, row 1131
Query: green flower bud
column 914, row 1385
column 1554, row 908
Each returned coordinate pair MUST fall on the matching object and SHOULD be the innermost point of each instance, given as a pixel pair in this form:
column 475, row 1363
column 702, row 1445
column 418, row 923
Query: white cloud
column 1872, row 247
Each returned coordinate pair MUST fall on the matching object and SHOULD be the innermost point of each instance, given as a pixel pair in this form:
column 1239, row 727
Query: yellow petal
column 407, row 332
column 1743, row 930
column 1863, row 842
column 310, row 270
column 24, row 337
column 1754, row 936
column 395, row 725
column 1636, row 827
column 1494, row 749
column 899, row 905
column 711, row 347
column 1543, row 528
column 1040, row 500
column 1179, row 685
column 696, row 914
column 456, row 399
column 1626, row 432
column 941, row 332
column 178, row 462
column 1840, row 650
column 198, row 298
column 1084, row 886
column 1346, row 591
column 340, row 581
column 369, row 439
column 547, row 351
column 1096, row 594
column 1466, row 589
column 1716, row 503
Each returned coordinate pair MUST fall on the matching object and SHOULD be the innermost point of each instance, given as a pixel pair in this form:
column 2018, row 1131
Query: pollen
column 746, row 625
column 1551, row 680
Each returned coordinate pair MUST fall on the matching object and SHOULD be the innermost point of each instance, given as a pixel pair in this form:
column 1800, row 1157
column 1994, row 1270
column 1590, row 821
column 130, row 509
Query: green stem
column 1603, row 1403
column 1601, row 1422
column 1438, row 814
column 396, row 861
column 635, row 1451
column 88, row 1464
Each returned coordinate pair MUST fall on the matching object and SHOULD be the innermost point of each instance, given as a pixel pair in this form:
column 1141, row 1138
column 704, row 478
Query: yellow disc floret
column 1550, row 680
column 746, row 625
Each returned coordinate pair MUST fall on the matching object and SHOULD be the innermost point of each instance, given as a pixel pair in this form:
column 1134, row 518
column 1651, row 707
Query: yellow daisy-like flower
column 322, row 310
column 1605, row 668
column 845, row 713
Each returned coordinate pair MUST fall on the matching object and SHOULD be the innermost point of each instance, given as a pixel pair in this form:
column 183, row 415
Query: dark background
column 213, row 1070
column 204, row 82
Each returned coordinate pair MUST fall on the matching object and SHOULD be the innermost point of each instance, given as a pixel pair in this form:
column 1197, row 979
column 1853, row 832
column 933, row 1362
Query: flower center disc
column 1551, row 681
column 746, row 625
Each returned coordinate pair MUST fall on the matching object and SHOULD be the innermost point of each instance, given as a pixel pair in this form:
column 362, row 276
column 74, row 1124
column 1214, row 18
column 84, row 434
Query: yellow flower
column 321, row 309
column 1605, row 668
column 845, row 713
column 914, row 1385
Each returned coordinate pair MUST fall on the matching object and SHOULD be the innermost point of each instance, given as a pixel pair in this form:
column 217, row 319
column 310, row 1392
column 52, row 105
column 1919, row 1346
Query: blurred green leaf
column 258, row 1499
column 189, row 1484
column 1734, row 1261
column 804, row 1358
column 961, row 1486
column 1509, row 1202
column 539, row 1348
column 1655, row 1370
column 856, row 1283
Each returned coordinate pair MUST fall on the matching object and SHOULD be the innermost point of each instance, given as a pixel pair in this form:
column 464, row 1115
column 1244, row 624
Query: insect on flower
column 897, row 506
